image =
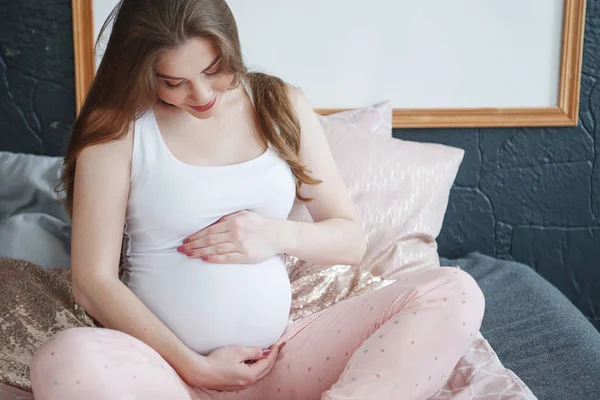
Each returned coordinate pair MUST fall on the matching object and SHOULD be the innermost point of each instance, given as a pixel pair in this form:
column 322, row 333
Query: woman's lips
column 206, row 107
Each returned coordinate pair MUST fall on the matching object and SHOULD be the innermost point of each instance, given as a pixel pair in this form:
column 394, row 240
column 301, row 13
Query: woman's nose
column 202, row 93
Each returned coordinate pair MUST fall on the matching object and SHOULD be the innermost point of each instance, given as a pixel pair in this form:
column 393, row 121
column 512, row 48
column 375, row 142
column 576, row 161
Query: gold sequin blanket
column 35, row 303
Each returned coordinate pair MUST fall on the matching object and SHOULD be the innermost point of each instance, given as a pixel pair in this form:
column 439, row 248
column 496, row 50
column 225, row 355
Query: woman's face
column 190, row 77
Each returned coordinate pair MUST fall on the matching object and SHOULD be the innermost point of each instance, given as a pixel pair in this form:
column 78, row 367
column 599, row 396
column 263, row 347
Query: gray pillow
column 33, row 223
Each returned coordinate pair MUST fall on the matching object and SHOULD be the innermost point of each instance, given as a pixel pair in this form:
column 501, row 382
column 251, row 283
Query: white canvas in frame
column 440, row 62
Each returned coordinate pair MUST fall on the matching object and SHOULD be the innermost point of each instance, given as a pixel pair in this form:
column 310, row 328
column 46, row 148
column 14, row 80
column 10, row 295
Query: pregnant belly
column 212, row 305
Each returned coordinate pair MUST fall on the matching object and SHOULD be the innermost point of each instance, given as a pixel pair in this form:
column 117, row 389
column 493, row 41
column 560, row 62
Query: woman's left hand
column 239, row 238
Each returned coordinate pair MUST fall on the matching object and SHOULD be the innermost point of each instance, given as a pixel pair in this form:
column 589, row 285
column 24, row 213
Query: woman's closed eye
column 214, row 70
column 172, row 84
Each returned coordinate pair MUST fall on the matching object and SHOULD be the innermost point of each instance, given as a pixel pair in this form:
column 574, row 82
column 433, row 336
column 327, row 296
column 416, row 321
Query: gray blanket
column 536, row 331
column 33, row 222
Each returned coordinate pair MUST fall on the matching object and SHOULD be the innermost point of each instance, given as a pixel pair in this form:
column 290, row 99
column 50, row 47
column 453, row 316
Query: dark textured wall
column 37, row 102
column 532, row 195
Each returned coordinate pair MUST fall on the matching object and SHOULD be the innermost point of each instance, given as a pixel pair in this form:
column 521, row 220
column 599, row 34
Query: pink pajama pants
column 399, row 342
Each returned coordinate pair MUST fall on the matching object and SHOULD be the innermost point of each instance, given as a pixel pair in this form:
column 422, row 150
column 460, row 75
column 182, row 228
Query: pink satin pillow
column 400, row 189
column 315, row 287
column 376, row 119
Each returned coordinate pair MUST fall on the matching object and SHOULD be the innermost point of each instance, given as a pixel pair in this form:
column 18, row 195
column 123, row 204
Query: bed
column 529, row 326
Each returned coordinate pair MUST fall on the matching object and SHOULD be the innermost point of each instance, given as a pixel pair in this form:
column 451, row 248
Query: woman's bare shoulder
column 295, row 93
column 119, row 151
column 301, row 104
column 103, row 167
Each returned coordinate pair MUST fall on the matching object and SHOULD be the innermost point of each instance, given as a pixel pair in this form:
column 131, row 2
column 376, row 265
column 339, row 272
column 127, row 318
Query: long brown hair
column 124, row 85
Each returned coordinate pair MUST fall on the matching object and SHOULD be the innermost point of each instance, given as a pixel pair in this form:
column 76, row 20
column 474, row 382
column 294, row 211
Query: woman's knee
column 90, row 363
column 469, row 295
column 457, row 287
column 64, row 356
column 61, row 344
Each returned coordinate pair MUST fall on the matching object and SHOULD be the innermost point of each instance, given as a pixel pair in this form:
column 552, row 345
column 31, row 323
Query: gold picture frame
column 566, row 113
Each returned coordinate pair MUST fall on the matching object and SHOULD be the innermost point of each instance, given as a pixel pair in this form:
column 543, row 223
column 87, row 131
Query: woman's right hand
column 232, row 368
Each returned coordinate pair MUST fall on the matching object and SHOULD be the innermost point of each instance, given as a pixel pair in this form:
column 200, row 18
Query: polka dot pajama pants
column 399, row 342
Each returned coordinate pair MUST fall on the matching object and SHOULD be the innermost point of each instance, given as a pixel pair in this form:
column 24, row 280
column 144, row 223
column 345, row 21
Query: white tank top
column 206, row 305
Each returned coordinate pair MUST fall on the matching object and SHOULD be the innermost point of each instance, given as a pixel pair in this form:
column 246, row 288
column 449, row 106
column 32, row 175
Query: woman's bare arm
column 100, row 197
column 337, row 235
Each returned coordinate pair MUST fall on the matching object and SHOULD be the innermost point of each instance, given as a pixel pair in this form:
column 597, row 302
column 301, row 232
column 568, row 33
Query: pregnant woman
column 195, row 163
